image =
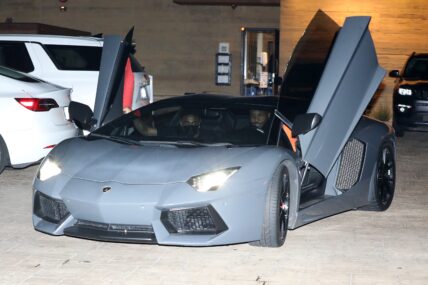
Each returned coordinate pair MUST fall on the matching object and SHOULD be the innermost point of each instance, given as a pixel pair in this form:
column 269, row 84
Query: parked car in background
column 411, row 94
column 33, row 118
column 70, row 61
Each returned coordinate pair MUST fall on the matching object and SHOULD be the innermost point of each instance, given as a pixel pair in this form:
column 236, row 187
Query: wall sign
column 223, row 69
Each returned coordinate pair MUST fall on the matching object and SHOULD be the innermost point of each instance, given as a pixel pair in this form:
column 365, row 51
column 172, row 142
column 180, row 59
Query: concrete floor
column 352, row 248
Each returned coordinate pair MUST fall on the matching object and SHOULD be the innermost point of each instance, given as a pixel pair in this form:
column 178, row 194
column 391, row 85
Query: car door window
column 75, row 57
column 14, row 55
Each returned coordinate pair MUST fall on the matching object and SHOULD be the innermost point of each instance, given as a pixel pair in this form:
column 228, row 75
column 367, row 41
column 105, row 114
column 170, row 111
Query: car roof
column 415, row 54
column 52, row 39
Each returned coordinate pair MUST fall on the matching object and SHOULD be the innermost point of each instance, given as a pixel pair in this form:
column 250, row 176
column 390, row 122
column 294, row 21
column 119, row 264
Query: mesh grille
column 350, row 164
column 49, row 209
column 203, row 220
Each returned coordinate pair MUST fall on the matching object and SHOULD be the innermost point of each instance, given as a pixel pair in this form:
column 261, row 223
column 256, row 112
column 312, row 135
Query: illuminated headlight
column 405, row 91
column 48, row 169
column 211, row 181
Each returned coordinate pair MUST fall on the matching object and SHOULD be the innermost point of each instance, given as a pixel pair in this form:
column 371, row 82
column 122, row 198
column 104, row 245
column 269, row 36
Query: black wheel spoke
column 385, row 178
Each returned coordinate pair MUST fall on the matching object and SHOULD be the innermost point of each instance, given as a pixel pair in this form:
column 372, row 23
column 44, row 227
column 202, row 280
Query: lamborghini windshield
column 194, row 122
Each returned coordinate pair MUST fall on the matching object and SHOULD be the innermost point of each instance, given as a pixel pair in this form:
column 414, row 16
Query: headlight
column 211, row 181
column 48, row 169
column 405, row 91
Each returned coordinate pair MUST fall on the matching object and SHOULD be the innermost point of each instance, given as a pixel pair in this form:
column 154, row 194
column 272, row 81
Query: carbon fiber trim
column 112, row 232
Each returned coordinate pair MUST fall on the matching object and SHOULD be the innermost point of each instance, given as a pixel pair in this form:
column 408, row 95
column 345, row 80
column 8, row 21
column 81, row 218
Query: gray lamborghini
column 202, row 170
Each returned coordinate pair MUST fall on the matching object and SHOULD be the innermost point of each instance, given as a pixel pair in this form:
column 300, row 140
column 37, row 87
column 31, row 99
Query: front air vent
column 49, row 209
column 201, row 220
column 351, row 163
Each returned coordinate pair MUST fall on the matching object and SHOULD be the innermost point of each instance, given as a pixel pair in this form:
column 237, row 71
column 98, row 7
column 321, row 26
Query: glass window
column 306, row 65
column 75, row 57
column 260, row 61
column 194, row 124
column 17, row 75
column 14, row 55
column 417, row 67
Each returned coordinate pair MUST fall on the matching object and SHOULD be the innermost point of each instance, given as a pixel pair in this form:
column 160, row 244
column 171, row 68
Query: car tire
column 399, row 131
column 385, row 176
column 277, row 205
column 4, row 155
column 384, row 179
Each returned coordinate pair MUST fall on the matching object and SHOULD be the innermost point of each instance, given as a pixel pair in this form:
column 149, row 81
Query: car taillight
column 37, row 104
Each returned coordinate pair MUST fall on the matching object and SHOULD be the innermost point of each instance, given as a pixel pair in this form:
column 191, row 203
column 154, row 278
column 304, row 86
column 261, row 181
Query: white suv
column 69, row 61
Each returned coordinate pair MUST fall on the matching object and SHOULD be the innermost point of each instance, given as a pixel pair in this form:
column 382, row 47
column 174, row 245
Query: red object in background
column 50, row 146
column 128, row 86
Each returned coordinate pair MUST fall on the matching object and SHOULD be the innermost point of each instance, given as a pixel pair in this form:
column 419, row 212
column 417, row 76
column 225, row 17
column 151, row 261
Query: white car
column 33, row 118
column 70, row 61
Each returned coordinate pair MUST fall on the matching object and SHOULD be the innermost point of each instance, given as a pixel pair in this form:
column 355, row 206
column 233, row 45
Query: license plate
column 67, row 115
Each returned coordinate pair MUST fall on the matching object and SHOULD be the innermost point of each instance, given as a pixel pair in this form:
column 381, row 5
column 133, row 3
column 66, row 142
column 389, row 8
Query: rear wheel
column 4, row 157
column 385, row 178
column 275, row 225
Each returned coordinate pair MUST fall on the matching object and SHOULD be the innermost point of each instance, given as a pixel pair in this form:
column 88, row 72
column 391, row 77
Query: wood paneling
column 398, row 27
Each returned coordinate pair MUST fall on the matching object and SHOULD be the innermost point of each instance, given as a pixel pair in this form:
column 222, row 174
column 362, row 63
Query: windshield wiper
column 116, row 139
column 189, row 143
column 182, row 143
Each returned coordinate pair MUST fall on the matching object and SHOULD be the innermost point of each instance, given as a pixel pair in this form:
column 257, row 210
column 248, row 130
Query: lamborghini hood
column 101, row 160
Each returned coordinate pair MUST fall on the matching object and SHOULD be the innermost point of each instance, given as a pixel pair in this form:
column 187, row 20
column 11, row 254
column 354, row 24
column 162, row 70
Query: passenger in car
column 258, row 129
column 259, row 119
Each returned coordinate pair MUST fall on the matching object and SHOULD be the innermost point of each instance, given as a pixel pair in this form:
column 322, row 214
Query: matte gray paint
column 147, row 179
column 350, row 78
column 140, row 190
column 372, row 133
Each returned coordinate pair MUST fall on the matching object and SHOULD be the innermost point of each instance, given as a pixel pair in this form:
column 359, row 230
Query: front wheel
column 277, row 205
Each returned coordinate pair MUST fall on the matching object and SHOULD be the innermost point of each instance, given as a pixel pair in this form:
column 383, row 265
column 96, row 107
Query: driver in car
column 188, row 126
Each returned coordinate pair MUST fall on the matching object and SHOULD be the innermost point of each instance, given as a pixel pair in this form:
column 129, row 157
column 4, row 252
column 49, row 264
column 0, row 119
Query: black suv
column 411, row 95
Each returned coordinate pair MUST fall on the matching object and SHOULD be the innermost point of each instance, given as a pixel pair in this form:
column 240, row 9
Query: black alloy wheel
column 277, row 208
column 284, row 206
column 385, row 178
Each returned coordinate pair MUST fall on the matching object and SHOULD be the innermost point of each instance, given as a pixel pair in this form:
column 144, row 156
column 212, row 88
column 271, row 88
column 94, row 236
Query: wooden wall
column 398, row 27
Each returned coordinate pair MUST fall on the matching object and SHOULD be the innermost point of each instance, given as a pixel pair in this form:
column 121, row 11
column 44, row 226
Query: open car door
column 333, row 72
column 109, row 97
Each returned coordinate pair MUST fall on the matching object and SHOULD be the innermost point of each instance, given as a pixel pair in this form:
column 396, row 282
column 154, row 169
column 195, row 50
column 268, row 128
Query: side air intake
column 350, row 164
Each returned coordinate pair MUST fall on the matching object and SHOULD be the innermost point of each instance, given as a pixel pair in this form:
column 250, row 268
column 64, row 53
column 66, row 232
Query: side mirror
column 81, row 115
column 278, row 80
column 304, row 123
column 394, row 73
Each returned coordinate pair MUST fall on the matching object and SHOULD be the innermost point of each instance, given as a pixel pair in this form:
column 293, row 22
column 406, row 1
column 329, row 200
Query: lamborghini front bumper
column 162, row 214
